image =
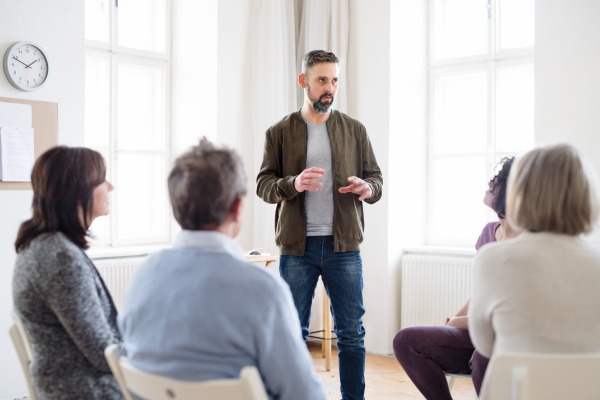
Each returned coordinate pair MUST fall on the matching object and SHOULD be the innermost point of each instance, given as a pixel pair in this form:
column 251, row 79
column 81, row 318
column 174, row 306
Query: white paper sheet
column 12, row 114
column 16, row 154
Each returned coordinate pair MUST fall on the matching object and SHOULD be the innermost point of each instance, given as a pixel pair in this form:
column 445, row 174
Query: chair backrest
column 155, row 387
column 23, row 348
column 542, row 376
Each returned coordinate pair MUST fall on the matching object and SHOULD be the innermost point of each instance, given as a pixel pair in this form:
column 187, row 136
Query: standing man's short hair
column 317, row 56
column 204, row 184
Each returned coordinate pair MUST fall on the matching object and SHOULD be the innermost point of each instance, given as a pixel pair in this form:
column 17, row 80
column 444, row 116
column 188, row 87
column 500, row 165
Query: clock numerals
column 24, row 57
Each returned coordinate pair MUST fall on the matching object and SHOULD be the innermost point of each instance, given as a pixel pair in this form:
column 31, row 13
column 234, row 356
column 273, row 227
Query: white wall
column 567, row 81
column 406, row 181
column 59, row 28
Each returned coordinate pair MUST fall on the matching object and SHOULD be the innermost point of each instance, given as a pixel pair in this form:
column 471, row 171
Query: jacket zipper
column 332, row 177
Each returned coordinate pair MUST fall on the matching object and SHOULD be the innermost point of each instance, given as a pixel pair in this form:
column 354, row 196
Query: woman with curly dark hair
column 426, row 352
column 495, row 198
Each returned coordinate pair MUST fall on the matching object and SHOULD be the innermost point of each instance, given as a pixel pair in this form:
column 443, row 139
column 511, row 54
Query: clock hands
column 26, row 66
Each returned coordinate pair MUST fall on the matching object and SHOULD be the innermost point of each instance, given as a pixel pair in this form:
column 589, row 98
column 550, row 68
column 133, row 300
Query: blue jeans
column 342, row 277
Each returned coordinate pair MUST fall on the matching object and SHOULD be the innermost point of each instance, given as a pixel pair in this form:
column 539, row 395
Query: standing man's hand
column 358, row 186
column 306, row 180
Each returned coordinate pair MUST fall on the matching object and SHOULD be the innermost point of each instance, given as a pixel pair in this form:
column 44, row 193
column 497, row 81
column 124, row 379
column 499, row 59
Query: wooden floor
column 385, row 379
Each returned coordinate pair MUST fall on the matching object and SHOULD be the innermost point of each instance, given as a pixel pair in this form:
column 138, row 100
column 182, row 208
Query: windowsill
column 104, row 252
column 450, row 251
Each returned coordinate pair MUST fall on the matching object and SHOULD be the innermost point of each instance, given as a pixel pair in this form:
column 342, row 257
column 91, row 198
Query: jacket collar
column 209, row 241
column 334, row 115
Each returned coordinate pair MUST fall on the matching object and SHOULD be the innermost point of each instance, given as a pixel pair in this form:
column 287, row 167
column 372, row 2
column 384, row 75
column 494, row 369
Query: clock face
column 25, row 66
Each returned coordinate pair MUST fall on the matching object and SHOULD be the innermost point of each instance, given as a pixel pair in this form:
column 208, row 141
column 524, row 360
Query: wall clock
column 26, row 66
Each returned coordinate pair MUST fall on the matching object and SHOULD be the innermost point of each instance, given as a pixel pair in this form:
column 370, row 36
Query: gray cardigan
column 70, row 319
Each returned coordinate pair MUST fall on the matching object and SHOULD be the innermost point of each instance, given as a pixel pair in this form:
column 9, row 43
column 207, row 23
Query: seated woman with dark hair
column 538, row 293
column 426, row 352
column 67, row 311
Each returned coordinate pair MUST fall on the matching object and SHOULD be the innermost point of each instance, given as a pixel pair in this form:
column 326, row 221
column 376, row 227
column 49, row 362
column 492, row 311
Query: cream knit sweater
column 539, row 292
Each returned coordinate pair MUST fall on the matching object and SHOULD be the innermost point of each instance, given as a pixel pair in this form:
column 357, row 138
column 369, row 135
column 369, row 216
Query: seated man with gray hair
column 198, row 311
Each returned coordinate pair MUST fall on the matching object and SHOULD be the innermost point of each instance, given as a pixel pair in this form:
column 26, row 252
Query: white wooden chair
column 154, row 387
column 452, row 377
column 542, row 376
column 23, row 348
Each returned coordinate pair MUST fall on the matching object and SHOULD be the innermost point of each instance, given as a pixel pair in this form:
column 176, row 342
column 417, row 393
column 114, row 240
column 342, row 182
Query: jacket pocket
column 290, row 225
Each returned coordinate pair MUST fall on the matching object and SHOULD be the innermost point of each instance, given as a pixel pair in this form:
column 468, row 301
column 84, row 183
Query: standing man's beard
column 322, row 107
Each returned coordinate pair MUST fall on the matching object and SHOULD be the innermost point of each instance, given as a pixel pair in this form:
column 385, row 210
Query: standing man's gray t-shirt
column 319, row 205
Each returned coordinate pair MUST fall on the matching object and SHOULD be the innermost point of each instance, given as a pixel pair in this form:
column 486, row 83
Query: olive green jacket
column 285, row 157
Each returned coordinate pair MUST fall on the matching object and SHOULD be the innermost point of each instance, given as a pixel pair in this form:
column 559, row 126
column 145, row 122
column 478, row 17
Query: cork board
column 45, row 132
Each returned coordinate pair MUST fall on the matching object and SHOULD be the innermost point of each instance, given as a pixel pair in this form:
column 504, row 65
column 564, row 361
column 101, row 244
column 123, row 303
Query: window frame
column 490, row 62
column 117, row 55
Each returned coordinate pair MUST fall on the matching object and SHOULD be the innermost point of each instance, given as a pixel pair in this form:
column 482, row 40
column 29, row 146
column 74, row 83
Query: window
column 481, row 91
column 127, row 114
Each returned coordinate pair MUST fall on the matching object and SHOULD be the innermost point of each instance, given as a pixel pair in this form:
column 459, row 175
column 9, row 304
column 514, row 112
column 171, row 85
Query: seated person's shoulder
column 257, row 276
column 491, row 226
column 508, row 253
column 49, row 246
column 52, row 255
column 217, row 268
column 489, row 250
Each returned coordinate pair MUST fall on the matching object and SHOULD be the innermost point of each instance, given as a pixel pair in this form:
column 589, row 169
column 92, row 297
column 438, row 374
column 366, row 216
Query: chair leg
column 450, row 382
column 327, row 325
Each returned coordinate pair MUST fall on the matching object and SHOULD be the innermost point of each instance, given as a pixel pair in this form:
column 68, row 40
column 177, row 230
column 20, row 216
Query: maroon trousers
column 426, row 352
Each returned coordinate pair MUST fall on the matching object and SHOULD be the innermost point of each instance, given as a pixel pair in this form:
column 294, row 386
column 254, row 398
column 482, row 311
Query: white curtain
column 273, row 80
column 324, row 26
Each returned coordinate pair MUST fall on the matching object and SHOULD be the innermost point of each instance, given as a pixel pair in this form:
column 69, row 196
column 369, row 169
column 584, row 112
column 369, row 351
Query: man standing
column 318, row 166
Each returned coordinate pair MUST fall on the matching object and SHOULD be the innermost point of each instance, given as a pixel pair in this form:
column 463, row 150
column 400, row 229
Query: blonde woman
column 539, row 291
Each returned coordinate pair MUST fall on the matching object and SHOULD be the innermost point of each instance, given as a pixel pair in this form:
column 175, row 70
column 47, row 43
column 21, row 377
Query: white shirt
column 539, row 292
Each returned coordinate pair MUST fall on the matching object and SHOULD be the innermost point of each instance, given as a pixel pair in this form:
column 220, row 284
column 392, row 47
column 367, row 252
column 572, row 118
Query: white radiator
column 433, row 288
column 117, row 274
